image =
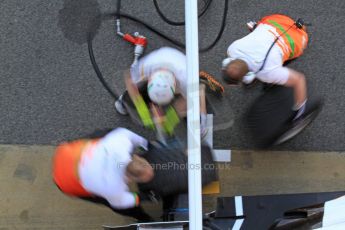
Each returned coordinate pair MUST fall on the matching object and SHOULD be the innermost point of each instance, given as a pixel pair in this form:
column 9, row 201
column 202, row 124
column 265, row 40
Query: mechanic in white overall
column 261, row 54
column 165, row 72
column 99, row 170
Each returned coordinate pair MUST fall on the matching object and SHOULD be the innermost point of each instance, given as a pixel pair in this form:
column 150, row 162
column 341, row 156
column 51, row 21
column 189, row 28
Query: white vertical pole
column 193, row 115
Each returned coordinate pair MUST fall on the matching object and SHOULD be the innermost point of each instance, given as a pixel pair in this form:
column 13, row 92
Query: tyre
column 312, row 111
column 269, row 117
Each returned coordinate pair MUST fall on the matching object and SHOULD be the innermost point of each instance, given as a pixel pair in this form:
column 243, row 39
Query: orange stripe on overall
column 65, row 166
column 295, row 39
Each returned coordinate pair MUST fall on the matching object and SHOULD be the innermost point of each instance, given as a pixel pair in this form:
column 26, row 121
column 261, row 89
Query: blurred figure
column 260, row 55
column 99, row 170
column 164, row 76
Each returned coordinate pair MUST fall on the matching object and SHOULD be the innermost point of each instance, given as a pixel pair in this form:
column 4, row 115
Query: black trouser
column 136, row 212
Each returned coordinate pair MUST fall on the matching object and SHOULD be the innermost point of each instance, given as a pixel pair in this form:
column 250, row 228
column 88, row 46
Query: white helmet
column 161, row 87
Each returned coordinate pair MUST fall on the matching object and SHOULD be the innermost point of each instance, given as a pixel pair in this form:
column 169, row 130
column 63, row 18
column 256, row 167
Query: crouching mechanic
column 99, row 170
column 274, row 40
column 164, row 71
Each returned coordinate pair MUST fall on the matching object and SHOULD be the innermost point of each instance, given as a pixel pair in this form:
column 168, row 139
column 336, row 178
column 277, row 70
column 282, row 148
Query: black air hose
column 117, row 14
column 182, row 23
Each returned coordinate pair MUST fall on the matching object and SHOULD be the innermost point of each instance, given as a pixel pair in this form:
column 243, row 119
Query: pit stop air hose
column 207, row 3
column 118, row 14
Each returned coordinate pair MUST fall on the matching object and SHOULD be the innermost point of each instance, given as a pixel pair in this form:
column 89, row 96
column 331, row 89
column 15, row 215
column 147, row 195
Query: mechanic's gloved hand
column 299, row 110
column 249, row 78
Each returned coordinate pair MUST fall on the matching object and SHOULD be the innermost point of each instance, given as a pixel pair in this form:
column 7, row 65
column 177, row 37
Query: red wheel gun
column 139, row 41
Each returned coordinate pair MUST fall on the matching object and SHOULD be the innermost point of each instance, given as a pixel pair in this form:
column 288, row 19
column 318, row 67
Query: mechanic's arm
column 138, row 101
column 203, row 110
column 131, row 87
column 202, row 96
column 297, row 81
column 137, row 140
column 180, row 104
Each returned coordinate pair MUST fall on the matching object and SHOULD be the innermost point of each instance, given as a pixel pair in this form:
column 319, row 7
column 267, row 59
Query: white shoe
column 120, row 108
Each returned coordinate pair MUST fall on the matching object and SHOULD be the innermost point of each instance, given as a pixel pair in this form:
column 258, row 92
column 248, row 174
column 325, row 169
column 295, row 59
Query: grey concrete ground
column 30, row 200
column 49, row 91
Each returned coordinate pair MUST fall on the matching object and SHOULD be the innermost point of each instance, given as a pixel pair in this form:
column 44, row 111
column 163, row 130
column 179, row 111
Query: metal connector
column 118, row 28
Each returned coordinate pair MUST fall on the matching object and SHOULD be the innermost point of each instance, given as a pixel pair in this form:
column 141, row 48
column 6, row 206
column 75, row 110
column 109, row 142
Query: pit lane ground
column 30, row 200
